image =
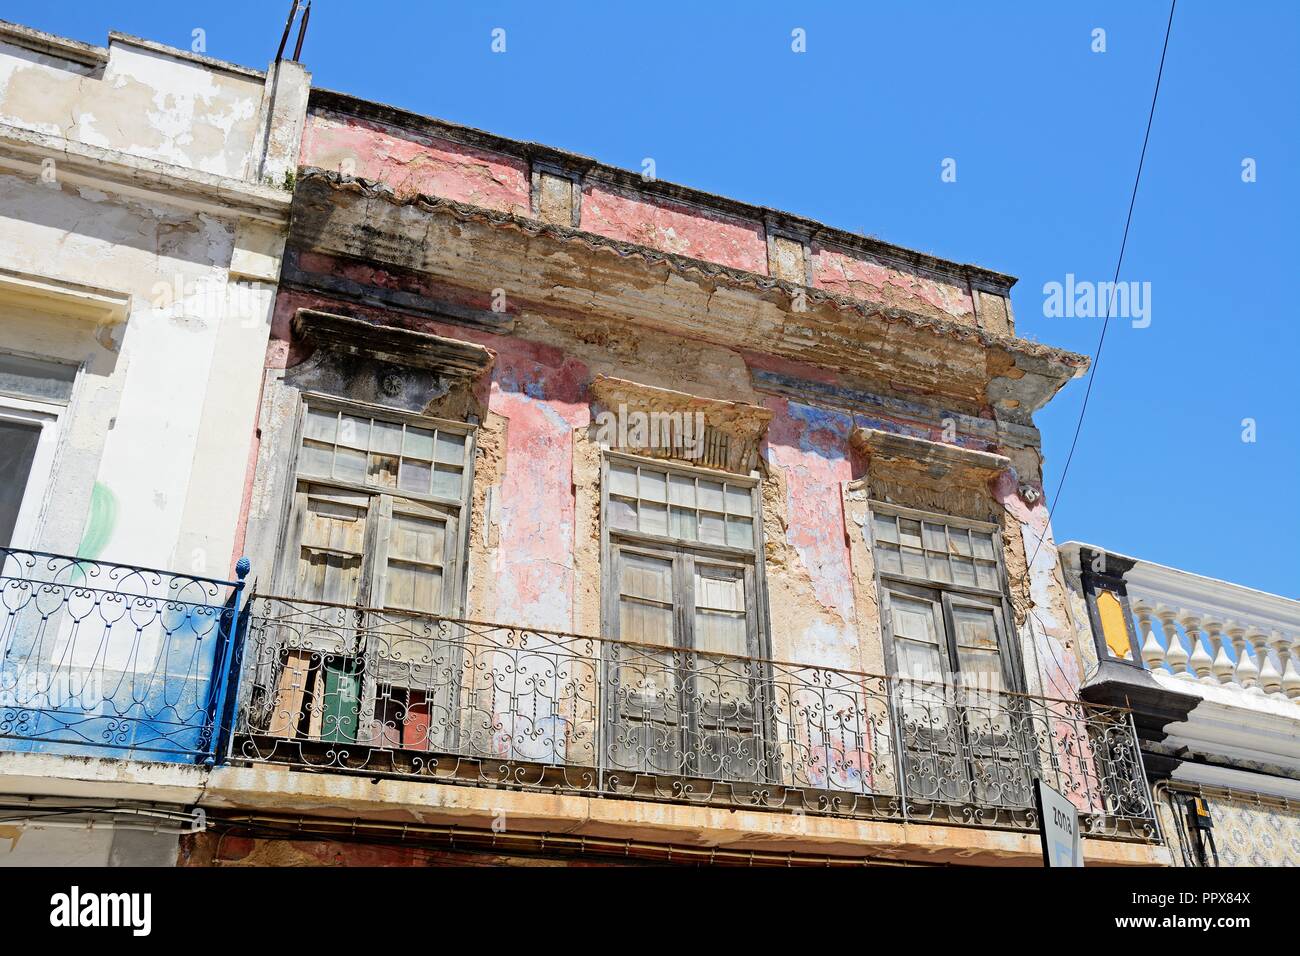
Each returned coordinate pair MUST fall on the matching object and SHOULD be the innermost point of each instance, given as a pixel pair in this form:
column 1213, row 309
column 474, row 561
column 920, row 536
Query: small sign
column 1060, row 827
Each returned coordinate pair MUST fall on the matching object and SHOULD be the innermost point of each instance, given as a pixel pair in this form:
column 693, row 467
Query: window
column 33, row 396
column 945, row 618
column 376, row 524
column 682, row 602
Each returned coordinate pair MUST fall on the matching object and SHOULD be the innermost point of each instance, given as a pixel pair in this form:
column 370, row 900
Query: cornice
column 594, row 170
column 137, row 177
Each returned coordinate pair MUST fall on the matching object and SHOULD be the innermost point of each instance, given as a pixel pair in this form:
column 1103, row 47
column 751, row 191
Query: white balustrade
column 1197, row 628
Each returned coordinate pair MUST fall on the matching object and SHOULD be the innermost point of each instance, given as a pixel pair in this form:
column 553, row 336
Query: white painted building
column 1211, row 671
column 144, row 197
column 144, row 203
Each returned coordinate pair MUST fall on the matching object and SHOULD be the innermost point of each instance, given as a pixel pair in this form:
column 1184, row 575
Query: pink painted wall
column 676, row 228
column 544, row 399
column 415, row 164
column 810, row 445
column 864, row 278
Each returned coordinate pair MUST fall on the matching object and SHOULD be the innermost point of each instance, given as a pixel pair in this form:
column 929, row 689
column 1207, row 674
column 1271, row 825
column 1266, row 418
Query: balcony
column 1200, row 629
column 112, row 660
column 364, row 691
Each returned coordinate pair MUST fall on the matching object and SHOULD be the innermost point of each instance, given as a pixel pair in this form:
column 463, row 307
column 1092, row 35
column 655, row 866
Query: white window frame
column 31, row 512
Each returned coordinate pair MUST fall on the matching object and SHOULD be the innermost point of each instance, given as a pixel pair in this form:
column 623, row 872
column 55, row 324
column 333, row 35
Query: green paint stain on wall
column 100, row 523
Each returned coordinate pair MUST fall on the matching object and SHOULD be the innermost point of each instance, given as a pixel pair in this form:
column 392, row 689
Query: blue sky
column 1045, row 134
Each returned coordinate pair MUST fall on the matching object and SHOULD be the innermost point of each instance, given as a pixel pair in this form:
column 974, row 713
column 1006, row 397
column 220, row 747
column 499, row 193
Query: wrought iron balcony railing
column 113, row 660
column 358, row 690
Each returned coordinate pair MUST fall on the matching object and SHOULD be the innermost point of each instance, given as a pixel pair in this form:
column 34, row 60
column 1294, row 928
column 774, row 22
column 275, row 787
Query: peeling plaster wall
column 866, row 278
column 535, row 561
column 534, row 546
column 810, row 446
column 150, row 465
column 417, row 164
column 141, row 101
column 674, row 227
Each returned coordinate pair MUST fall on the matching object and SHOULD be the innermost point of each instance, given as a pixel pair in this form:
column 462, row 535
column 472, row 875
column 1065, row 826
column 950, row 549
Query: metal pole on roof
column 288, row 25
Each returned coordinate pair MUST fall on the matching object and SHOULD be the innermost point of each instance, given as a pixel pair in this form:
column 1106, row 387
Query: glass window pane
column 316, row 459
column 681, row 490
column 738, row 501
column 959, row 541
column 18, row 441
column 886, row 528
column 418, row 443
column 36, row 378
column 711, row 496
column 913, row 563
column 712, row 529
column 890, row 562
column 622, row 514
column 386, row 437
column 451, row 448
column 684, row 523
column 622, row 481
column 983, row 542
column 320, row 425
column 653, row 485
column 354, row 432
column 986, row 573
column 938, row 565
column 447, row 481
column 654, row 517
column 415, row 476
column 909, row 532
column 963, row 571
column 740, row 532
column 935, row 537
column 350, row 464
column 382, row 470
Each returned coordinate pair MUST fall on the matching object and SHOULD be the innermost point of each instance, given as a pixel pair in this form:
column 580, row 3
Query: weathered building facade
column 590, row 508
column 589, row 517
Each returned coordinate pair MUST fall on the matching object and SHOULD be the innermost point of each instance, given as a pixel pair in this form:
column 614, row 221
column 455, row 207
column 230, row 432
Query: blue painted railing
column 115, row 660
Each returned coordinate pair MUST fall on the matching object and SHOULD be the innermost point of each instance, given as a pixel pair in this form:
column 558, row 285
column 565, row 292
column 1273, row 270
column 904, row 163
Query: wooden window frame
column 1013, row 667
column 383, row 504
column 684, row 555
column 371, row 591
column 944, row 598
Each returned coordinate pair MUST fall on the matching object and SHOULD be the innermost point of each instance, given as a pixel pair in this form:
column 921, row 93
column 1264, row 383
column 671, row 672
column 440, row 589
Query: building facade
column 144, row 203
column 1210, row 671
column 590, row 518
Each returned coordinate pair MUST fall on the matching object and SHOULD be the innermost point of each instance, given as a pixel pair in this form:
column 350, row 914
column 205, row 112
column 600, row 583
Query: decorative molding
column 731, row 434
column 125, row 174
column 874, row 443
column 450, row 358
column 61, row 298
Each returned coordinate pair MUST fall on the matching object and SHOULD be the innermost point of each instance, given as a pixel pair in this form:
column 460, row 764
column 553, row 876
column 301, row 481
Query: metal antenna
column 302, row 30
column 288, row 24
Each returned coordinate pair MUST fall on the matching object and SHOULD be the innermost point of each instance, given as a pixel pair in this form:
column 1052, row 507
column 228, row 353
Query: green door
column 342, row 704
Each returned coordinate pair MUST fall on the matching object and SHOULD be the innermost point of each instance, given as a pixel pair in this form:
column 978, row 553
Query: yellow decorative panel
column 1114, row 628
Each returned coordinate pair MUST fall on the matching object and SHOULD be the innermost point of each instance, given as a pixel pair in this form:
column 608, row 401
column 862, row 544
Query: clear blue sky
column 1045, row 134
